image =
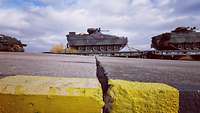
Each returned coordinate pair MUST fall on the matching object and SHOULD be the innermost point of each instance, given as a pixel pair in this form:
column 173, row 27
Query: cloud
column 190, row 7
column 43, row 23
column 13, row 19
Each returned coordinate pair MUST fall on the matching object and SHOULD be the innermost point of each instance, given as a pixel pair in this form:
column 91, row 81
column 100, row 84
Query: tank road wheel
column 1, row 46
column 81, row 49
column 116, row 48
column 89, row 49
column 98, row 48
column 198, row 46
column 85, row 48
column 109, row 48
column 17, row 48
column 9, row 49
column 95, row 49
column 112, row 48
column 102, row 48
column 180, row 46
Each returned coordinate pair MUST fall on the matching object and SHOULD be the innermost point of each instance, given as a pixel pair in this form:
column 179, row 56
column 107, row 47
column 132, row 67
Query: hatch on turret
column 93, row 30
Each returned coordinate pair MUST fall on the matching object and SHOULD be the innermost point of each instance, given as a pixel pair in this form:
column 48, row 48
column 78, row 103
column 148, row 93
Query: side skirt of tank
column 106, row 48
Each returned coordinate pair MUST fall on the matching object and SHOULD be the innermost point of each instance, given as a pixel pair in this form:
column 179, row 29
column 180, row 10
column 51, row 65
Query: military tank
column 95, row 41
column 10, row 44
column 182, row 38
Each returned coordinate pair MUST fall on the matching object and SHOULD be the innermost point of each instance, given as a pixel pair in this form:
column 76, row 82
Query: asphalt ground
column 47, row 65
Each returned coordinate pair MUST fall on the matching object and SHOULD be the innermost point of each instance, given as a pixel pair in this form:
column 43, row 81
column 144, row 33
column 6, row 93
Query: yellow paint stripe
column 137, row 97
column 39, row 94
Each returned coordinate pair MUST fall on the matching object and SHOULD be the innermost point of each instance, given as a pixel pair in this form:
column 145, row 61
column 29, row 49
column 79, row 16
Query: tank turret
column 182, row 38
column 93, row 30
column 10, row 44
column 95, row 41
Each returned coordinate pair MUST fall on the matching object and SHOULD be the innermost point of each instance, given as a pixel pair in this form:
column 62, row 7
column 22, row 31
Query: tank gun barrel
column 24, row 45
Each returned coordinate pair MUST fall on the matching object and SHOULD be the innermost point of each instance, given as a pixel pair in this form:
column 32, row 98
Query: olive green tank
column 10, row 44
column 95, row 41
column 182, row 38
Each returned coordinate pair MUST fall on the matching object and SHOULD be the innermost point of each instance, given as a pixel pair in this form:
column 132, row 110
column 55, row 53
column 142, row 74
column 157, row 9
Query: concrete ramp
column 38, row 94
column 138, row 97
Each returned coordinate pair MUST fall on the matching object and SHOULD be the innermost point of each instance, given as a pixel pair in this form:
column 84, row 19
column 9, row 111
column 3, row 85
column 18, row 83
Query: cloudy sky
column 43, row 23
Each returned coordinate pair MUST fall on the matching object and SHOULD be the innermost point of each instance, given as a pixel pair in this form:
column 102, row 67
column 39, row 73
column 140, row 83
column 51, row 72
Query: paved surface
column 181, row 74
column 46, row 64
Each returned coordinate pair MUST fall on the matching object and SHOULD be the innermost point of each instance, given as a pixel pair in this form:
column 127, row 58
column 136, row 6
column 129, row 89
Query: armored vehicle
column 182, row 38
column 95, row 41
column 10, row 44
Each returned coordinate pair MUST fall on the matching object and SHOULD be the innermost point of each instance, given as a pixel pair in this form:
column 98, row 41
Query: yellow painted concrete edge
column 138, row 97
column 41, row 94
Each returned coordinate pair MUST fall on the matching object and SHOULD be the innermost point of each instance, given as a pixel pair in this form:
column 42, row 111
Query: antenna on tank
column 105, row 30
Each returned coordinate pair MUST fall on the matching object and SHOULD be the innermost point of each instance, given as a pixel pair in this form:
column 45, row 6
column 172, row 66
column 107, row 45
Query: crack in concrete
column 103, row 79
